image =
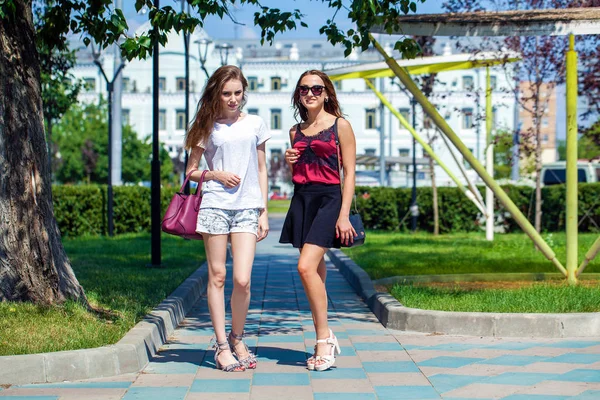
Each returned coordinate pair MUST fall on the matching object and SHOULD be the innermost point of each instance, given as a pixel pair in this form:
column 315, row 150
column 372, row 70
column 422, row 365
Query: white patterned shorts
column 216, row 221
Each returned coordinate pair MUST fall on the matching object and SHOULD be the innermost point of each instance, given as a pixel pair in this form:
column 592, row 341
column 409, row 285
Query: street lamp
column 202, row 52
column 109, row 89
column 414, row 208
column 224, row 51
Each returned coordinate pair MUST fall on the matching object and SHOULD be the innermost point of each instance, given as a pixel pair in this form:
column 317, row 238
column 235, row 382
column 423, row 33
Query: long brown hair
column 209, row 106
column 332, row 106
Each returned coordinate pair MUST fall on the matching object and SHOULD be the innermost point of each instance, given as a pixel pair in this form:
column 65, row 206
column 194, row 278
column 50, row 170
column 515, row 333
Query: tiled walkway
column 375, row 363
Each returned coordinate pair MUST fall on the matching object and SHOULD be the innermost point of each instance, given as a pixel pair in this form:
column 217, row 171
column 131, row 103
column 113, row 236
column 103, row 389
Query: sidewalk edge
column 392, row 314
column 129, row 355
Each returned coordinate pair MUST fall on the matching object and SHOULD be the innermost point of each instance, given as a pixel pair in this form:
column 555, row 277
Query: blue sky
column 316, row 13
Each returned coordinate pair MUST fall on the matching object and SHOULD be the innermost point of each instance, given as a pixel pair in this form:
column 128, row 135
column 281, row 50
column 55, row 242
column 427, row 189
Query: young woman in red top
column 318, row 218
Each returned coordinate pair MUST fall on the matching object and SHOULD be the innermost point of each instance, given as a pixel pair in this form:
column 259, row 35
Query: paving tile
column 156, row 393
column 281, row 392
column 580, row 375
column 396, row 379
column 342, row 386
column 588, row 395
column 80, row 385
column 449, row 362
column 520, row 378
column 447, row 382
column 557, row 388
column 382, row 356
column 513, row 360
column 390, row 366
column 345, row 396
column 278, row 379
column 535, row 397
column 573, row 344
column 164, row 380
column 221, row 396
column 221, row 386
column 378, row 346
column 576, row 358
column 339, row 373
column 406, row 392
column 483, row 390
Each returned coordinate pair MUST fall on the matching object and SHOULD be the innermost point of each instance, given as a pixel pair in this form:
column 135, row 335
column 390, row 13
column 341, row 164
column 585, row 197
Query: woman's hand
column 263, row 225
column 291, row 155
column 228, row 179
column 345, row 231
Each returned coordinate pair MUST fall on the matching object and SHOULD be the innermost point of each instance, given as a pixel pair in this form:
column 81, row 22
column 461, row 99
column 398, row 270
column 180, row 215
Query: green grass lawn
column 114, row 275
column 278, row 206
column 538, row 298
column 393, row 254
column 387, row 254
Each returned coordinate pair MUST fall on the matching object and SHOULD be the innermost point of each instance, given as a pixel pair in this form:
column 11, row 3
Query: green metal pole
column 572, row 162
column 407, row 81
column 423, row 143
column 592, row 252
column 489, row 158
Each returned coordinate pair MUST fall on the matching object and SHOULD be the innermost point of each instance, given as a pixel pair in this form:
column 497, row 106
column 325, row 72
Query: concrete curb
column 129, row 355
column 394, row 315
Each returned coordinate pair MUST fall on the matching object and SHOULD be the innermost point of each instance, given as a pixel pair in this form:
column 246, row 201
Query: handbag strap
column 339, row 157
column 199, row 182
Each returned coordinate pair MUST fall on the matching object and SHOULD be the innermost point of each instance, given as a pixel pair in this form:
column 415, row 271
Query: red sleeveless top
column 318, row 157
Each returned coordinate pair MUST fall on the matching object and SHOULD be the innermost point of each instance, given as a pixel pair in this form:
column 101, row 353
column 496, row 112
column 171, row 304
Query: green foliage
column 81, row 138
column 387, row 254
column 587, row 149
column 114, row 275
column 387, row 208
column 503, row 143
column 536, row 298
column 81, row 209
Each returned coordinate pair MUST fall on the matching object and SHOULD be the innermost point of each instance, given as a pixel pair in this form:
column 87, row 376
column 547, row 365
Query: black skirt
column 312, row 216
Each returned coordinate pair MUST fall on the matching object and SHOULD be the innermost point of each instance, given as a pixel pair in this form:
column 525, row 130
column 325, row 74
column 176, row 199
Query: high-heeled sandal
column 328, row 360
column 250, row 361
column 310, row 362
column 234, row 367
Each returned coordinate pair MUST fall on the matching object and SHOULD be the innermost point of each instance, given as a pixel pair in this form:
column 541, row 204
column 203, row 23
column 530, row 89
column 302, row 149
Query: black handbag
column 355, row 218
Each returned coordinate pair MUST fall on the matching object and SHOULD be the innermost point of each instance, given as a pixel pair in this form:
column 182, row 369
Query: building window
column 125, row 116
column 493, row 82
column 89, row 84
column 275, row 83
column 494, row 117
column 545, row 139
column 370, row 152
column 276, row 155
column 405, row 112
column 252, row 83
column 162, row 120
column 545, row 122
column 370, row 118
column 126, row 85
column 180, row 120
column 253, row 111
column 338, row 85
column 404, row 152
column 372, row 80
column 162, row 84
column 467, row 83
column 180, row 84
column 467, row 118
column 275, row 119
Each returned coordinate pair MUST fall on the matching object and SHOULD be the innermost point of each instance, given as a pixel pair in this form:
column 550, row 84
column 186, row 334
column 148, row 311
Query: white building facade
column 273, row 72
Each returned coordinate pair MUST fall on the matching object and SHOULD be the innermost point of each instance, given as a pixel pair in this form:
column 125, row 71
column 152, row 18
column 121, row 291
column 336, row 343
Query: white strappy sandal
column 328, row 360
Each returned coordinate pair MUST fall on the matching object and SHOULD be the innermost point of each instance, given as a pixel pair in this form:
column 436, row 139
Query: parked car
column 556, row 173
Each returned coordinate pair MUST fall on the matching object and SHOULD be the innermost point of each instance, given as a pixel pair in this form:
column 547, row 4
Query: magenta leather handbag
column 182, row 213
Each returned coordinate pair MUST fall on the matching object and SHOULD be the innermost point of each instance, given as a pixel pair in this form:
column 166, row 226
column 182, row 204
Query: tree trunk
column 436, row 214
column 538, row 178
column 33, row 263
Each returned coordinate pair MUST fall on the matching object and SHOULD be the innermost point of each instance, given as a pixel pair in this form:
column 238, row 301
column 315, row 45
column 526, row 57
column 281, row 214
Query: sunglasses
column 316, row 90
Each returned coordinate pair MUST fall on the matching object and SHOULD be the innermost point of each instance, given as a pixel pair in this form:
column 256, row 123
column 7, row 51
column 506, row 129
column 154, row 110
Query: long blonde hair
column 209, row 106
column 332, row 106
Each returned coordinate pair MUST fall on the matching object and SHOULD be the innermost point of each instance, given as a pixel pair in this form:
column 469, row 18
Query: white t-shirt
column 234, row 149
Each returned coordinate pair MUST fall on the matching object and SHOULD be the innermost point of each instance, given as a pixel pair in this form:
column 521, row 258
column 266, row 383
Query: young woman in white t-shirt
column 233, row 204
